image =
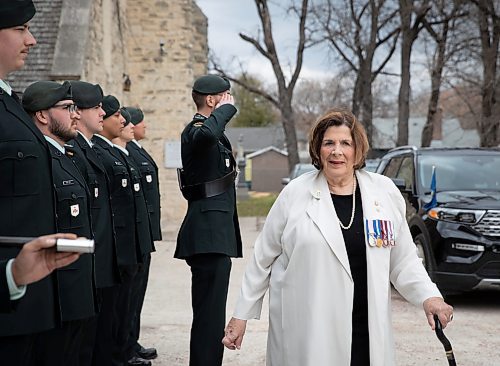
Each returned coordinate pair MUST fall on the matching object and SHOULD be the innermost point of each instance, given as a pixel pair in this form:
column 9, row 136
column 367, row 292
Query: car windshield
column 460, row 172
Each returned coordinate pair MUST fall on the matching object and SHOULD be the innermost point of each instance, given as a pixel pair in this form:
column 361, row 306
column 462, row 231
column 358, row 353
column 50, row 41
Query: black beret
column 86, row 95
column 136, row 115
column 111, row 105
column 211, row 84
column 125, row 113
column 15, row 12
column 44, row 94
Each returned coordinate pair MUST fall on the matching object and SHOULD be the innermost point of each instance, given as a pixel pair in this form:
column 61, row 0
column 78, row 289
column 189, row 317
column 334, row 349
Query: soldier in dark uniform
column 35, row 261
column 210, row 232
column 143, row 233
column 151, row 189
column 26, row 208
column 124, row 212
column 88, row 98
column 54, row 113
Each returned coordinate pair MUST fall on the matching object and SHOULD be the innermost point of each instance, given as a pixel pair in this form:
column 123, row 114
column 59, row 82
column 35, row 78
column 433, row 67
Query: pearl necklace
column 353, row 207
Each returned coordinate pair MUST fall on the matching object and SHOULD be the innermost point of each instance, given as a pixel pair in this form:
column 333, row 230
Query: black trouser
column 142, row 281
column 18, row 350
column 88, row 342
column 61, row 346
column 122, row 319
column 210, row 281
column 103, row 346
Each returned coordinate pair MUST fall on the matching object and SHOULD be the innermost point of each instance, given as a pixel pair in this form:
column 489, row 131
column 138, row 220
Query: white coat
column 300, row 256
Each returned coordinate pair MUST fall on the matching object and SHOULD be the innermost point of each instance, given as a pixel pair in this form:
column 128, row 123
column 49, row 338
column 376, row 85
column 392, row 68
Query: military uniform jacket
column 122, row 202
column 87, row 161
column 211, row 224
column 142, row 225
column 150, row 184
column 26, row 209
column 76, row 281
column 5, row 303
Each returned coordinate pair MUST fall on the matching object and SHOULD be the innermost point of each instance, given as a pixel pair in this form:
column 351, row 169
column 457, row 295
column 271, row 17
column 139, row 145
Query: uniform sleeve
column 5, row 304
column 209, row 132
column 257, row 274
column 8, row 289
column 408, row 274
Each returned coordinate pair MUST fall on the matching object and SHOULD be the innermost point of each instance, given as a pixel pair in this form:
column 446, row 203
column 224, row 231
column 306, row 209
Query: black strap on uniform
column 213, row 188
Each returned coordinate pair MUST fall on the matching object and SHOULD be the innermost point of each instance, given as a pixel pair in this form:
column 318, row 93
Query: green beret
column 125, row 113
column 211, row 84
column 45, row 94
column 15, row 12
column 86, row 95
column 136, row 115
column 111, row 105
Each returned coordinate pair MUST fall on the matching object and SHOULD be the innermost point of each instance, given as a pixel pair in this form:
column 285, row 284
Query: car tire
column 423, row 252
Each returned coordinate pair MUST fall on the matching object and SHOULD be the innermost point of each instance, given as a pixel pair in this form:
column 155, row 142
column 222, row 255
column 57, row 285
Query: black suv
column 457, row 229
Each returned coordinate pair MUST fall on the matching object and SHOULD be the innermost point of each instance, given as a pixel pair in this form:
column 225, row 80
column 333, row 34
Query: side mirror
column 285, row 181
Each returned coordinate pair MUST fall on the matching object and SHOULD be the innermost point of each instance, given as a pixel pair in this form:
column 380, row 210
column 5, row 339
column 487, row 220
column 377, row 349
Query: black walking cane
column 446, row 343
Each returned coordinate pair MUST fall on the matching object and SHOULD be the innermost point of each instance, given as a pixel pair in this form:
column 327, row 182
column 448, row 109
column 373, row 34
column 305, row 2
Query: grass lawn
column 258, row 204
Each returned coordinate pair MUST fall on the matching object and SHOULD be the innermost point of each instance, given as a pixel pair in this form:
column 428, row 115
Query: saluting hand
column 226, row 98
column 436, row 305
column 234, row 332
column 39, row 258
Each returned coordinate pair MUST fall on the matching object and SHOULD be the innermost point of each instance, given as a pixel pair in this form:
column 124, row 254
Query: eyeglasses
column 71, row 108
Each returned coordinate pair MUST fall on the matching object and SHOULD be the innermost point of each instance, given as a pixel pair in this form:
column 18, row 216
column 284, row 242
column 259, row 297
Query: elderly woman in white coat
column 332, row 244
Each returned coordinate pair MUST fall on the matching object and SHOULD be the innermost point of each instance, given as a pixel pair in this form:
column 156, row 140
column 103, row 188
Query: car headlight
column 457, row 215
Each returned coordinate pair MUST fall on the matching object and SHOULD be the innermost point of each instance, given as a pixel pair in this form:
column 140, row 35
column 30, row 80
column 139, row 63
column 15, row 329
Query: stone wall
column 125, row 39
column 106, row 53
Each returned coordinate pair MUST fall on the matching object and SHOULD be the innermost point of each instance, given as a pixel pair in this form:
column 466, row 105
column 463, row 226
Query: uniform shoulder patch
column 198, row 124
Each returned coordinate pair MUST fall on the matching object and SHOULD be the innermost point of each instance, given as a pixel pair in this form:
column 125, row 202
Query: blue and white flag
column 433, row 202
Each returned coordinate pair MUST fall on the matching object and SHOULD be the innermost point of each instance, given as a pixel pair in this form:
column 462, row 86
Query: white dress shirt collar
column 55, row 144
column 6, row 87
column 121, row 148
column 86, row 139
column 105, row 139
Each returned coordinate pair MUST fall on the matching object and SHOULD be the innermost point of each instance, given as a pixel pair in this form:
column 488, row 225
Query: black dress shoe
column 147, row 353
column 137, row 361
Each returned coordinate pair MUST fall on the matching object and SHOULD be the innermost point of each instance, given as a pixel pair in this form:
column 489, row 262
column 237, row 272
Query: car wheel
column 423, row 251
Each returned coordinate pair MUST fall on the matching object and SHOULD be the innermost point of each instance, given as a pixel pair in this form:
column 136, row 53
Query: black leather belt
column 213, row 188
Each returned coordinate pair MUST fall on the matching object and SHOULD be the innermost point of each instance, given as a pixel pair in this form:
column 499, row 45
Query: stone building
column 145, row 52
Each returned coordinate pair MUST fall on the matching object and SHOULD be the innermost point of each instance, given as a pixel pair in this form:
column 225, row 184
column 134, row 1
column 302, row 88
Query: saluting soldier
column 210, row 232
column 26, row 207
column 88, row 98
column 151, row 189
column 52, row 109
column 143, row 233
column 124, row 211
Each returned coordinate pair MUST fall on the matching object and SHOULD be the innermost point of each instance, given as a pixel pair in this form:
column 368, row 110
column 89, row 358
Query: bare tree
column 356, row 29
column 441, row 22
column 313, row 97
column 267, row 48
column 488, row 16
column 412, row 13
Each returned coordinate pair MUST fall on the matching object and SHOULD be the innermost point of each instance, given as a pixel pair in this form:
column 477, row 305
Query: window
column 406, row 172
column 392, row 167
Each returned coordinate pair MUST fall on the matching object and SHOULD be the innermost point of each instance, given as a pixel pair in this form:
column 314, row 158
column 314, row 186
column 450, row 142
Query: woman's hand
column 436, row 305
column 234, row 332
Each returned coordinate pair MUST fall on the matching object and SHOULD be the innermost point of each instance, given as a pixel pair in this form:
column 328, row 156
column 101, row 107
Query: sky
column 227, row 18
